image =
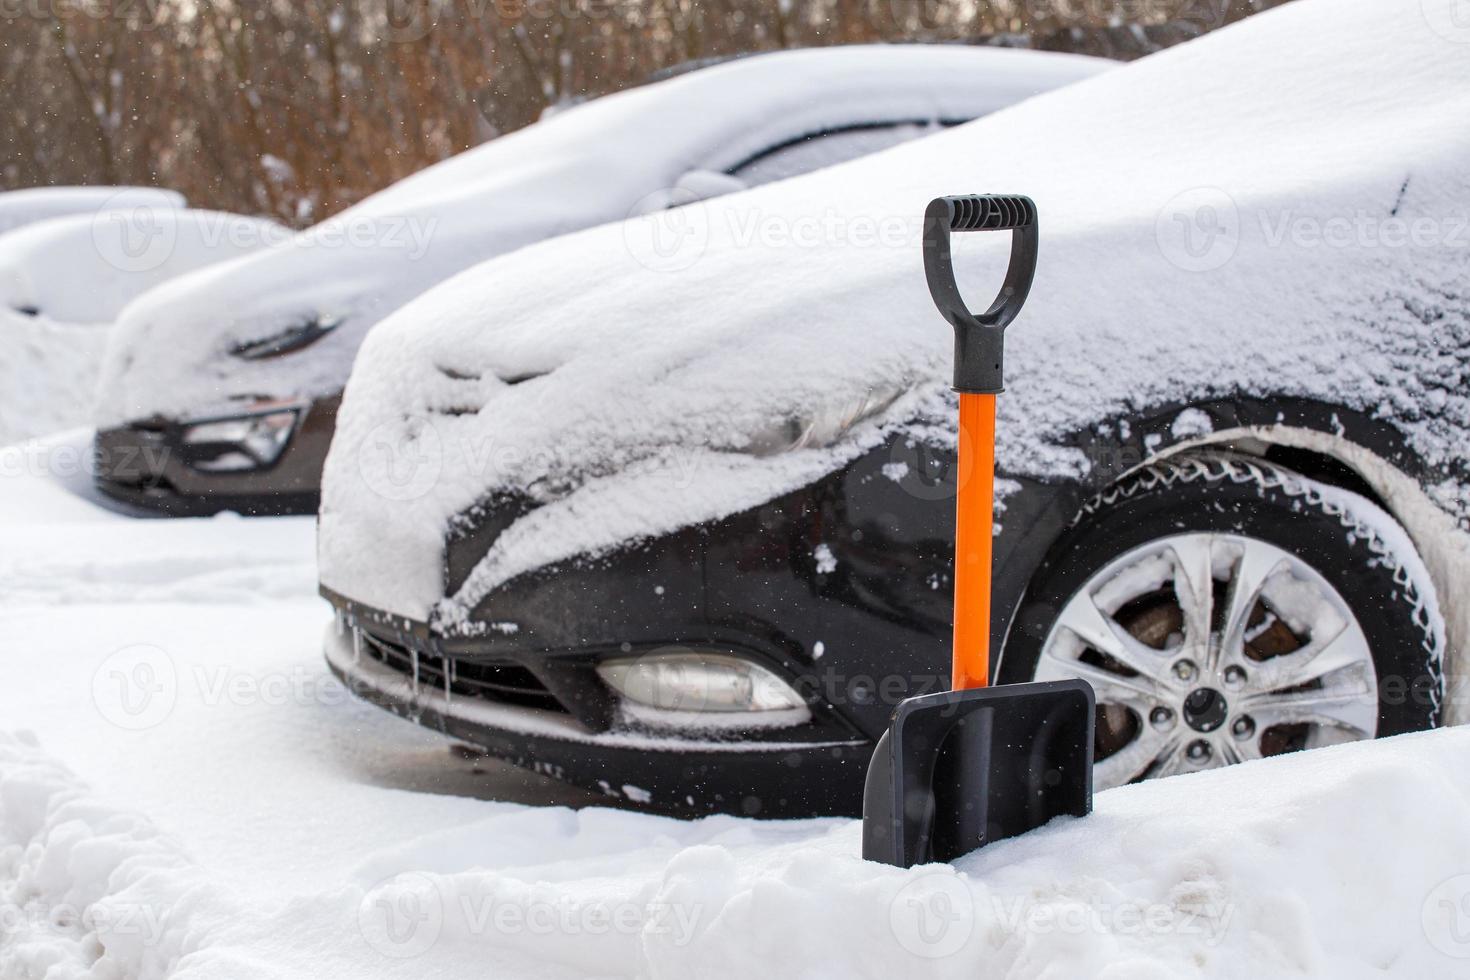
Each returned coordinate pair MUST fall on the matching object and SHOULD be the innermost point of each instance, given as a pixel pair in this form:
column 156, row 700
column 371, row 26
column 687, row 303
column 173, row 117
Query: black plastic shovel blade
column 963, row 769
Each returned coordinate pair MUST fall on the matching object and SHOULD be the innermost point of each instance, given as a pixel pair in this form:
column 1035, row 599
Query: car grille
column 502, row 683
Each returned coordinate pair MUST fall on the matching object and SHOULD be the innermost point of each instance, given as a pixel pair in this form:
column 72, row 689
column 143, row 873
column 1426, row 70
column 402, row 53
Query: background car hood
column 583, row 166
column 31, row 204
column 649, row 378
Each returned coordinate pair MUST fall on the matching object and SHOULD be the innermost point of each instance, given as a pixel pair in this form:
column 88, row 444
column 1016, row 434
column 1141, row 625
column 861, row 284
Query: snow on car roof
column 63, row 280
column 18, row 208
column 85, row 268
column 1292, row 231
column 581, row 167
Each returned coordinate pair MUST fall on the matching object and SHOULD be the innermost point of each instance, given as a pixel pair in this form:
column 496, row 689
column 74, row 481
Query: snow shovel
column 962, row 769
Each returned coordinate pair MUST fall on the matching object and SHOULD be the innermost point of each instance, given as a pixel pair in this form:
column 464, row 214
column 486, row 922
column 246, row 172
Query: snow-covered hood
column 587, row 165
column 86, row 268
column 19, row 208
column 1278, row 207
column 64, row 280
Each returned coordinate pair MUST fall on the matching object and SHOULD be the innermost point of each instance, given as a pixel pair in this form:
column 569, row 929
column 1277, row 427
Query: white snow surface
column 86, row 268
column 64, row 280
column 22, row 207
column 230, row 813
column 629, row 152
column 47, row 374
column 792, row 303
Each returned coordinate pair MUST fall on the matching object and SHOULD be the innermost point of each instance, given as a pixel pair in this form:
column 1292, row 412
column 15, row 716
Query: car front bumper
column 146, row 465
column 529, row 717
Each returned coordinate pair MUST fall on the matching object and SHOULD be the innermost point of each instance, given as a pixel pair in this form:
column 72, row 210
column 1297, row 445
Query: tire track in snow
column 188, row 561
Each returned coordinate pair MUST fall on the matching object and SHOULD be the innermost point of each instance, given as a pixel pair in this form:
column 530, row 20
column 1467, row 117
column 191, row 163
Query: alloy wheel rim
column 1209, row 649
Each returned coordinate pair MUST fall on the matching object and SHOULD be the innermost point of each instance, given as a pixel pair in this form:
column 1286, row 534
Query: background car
column 693, row 535
column 63, row 281
column 265, row 345
column 22, row 207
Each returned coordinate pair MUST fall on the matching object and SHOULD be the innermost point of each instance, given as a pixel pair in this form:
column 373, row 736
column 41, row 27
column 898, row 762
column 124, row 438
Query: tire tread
column 1215, row 467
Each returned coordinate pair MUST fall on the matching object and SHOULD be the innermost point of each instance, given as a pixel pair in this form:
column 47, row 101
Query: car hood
column 1183, row 202
column 580, row 167
column 22, row 207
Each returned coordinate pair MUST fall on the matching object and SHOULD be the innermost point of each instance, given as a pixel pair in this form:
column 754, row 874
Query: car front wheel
column 1225, row 609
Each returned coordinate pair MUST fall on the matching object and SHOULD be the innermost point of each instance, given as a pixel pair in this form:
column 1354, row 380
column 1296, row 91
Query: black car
column 756, row 590
column 687, row 538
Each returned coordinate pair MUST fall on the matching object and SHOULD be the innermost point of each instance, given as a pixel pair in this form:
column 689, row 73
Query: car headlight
column 698, row 681
column 246, row 442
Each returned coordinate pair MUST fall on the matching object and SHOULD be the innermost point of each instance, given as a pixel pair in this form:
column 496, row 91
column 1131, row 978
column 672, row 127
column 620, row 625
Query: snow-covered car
column 63, row 281
column 691, row 534
column 22, row 207
column 265, row 345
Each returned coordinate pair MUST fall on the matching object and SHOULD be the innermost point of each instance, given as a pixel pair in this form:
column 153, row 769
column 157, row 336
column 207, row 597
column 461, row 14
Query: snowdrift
column 1342, row 862
column 1191, row 206
column 584, row 166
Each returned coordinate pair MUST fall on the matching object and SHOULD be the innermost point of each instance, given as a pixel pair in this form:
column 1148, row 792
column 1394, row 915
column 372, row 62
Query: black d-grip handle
column 978, row 337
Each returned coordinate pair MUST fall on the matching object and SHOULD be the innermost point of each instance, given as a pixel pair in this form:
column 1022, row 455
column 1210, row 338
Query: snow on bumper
column 804, row 768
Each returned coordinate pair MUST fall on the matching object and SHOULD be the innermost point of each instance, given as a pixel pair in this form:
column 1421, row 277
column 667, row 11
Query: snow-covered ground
column 184, row 792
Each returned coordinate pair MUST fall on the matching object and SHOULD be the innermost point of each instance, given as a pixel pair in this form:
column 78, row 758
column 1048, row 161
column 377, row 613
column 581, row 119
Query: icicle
column 448, row 679
column 413, row 653
column 356, row 646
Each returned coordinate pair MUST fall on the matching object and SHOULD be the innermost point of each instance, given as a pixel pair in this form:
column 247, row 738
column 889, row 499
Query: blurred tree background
column 298, row 108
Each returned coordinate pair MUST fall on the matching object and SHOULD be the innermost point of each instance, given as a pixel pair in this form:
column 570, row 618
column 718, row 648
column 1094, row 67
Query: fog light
column 695, row 681
column 247, row 442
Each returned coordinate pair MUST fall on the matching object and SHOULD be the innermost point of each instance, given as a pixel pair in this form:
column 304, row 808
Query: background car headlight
column 695, row 681
column 244, row 443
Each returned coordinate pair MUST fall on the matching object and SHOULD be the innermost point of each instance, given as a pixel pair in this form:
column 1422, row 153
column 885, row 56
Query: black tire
column 1343, row 536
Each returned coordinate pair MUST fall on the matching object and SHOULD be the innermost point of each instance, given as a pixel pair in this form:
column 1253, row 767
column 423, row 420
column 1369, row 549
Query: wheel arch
column 1331, row 444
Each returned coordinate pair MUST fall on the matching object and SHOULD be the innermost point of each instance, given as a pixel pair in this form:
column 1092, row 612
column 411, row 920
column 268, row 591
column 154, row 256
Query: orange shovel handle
column 974, row 505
